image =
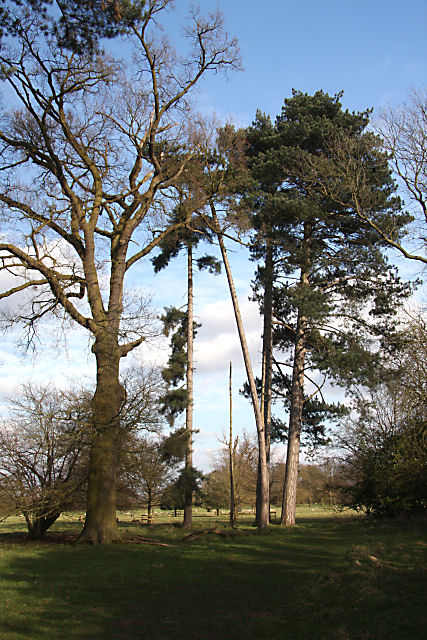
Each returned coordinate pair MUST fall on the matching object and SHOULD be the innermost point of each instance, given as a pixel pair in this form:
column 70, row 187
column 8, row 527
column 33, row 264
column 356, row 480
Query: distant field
column 330, row 576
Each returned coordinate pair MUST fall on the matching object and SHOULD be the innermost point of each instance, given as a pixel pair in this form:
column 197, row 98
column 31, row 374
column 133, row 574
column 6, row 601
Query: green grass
column 327, row 577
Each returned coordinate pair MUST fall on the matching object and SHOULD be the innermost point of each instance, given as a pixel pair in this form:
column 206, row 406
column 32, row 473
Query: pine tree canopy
column 349, row 292
column 77, row 26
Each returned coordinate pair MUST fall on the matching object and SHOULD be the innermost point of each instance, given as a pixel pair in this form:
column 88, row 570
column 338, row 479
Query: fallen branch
column 141, row 540
column 199, row 534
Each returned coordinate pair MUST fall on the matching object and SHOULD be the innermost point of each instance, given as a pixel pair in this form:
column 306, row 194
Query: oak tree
column 90, row 153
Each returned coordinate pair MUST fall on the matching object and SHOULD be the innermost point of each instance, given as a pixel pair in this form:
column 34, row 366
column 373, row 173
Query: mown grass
column 327, row 577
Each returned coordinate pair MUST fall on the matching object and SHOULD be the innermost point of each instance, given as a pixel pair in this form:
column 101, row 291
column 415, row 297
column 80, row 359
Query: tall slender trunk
column 188, row 493
column 100, row 523
column 267, row 359
column 231, row 458
column 295, row 419
column 263, row 507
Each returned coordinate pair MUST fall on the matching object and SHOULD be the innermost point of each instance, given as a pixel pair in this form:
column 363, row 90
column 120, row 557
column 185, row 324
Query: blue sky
column 372, row 50
column 375, row 52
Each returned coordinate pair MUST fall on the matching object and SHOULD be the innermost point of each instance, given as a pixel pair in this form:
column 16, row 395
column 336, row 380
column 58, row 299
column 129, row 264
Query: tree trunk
column 263, row 506
column 295, row 418
column 289, row 500
column 40, row 525
column 267, row 362
column 100, row 523
column 231, row 460
column 188, row 493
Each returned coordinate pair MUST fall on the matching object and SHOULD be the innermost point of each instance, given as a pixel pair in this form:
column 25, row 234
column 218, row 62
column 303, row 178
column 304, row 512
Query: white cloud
column 217, row 341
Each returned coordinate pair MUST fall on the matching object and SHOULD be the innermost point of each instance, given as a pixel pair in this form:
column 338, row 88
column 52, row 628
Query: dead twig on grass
column 203, row 532
column 141, row 540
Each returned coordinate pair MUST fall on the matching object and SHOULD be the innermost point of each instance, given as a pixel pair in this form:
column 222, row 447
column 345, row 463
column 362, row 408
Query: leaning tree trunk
column 188, row 491
column 100, row 523
column 263, row 506
column 41, row 523
column 267, row 360
column 295, row 418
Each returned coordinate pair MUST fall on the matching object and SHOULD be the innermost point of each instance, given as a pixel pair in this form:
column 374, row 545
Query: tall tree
column 89, row 157
column 178, row 375
column 221, row 170
column 231, row 456
column 263, row 501
column 333, row 293
column 186, row 239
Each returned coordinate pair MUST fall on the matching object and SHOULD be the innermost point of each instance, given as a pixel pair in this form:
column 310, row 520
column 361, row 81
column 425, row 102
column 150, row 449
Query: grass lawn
column 328, row 577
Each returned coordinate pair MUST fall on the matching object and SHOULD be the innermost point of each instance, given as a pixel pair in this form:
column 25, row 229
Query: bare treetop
column 97, row 149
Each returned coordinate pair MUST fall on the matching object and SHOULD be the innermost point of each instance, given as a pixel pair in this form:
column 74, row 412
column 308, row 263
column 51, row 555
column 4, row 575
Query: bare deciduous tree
column 404, row 135
column 145, row 471
column 44, row 450
column 89, row 158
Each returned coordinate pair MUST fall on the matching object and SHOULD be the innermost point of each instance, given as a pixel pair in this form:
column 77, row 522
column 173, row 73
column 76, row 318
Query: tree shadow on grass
column 210, row 588
column 278, row 585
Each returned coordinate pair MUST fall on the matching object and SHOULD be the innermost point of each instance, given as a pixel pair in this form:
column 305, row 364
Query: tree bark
column 188, row 493
column 267, row 362
column 263, row 506
column 149, row 504
column 40, row 525
column 100, row 523
column 231, row 460
column 295, row 418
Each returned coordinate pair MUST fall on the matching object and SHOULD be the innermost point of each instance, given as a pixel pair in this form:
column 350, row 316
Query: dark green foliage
column 328, row 267
column 172, row 498
column 173, row 446
column 174, row 401
column 216, row 489
column 385, row 461
column 187, row 237
column 209, row 263
column 387, row 470
column 188, row 481
column 76, row 25
column 175, row 323
column 316, row 415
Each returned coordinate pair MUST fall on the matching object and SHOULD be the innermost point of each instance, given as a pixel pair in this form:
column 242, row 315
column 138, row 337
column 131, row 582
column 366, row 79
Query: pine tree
column 75, row 25
column 333, row 294
column 180, row 364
